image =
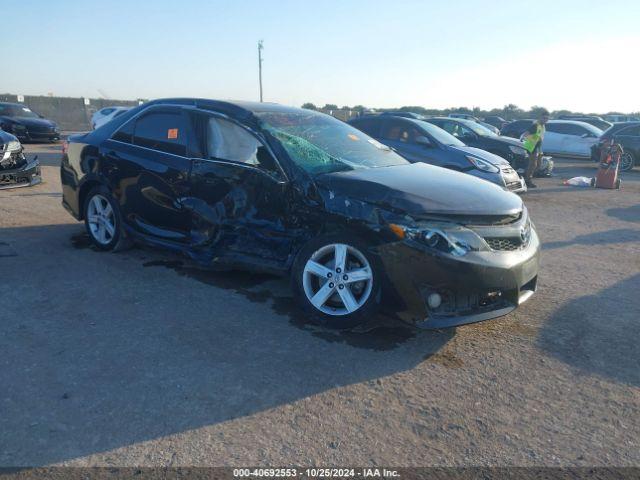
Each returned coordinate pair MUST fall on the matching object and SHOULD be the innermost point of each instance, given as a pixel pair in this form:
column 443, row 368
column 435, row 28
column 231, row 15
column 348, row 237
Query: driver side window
column 227, row 141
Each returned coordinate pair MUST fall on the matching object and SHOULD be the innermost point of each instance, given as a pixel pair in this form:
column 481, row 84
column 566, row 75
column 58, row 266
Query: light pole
column 260, row 47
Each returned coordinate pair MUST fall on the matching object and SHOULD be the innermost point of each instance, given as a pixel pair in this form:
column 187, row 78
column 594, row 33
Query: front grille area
column 513, row 185
column 505, row 243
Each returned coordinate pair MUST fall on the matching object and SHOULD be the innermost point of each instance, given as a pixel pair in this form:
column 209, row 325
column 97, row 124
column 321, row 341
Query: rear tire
column 103, row 221
column 336, row 281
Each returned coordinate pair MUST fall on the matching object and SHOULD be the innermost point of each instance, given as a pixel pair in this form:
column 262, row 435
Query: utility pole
column 260, row 47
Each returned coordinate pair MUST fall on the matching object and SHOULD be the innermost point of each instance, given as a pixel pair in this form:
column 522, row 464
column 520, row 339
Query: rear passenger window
column 162, row 131
column 556, row 128
column 575, row 130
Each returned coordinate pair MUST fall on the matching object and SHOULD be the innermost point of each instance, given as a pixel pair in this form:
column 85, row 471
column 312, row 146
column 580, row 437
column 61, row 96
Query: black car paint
column 16, row 170
column 224, row 214
column 28, row 129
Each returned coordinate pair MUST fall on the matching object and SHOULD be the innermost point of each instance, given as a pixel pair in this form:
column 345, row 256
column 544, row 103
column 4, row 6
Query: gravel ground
column 137, row 358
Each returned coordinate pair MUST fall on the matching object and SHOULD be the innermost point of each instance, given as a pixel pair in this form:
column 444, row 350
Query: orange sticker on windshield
column 172, row 133
column 353, row 137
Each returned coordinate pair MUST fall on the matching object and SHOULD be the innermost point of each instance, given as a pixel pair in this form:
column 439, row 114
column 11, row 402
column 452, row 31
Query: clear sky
column 376, row 53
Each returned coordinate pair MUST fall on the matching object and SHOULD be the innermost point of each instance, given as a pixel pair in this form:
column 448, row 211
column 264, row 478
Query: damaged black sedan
column 292, row 191
column 15, row 169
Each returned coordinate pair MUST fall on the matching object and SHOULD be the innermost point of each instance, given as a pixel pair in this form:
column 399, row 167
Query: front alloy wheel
column 337, row 282
column 337, row 279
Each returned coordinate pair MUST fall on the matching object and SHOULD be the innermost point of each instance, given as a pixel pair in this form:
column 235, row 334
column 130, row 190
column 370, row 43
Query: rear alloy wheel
column 102, row 220
column 336, row 283
column 627, row 161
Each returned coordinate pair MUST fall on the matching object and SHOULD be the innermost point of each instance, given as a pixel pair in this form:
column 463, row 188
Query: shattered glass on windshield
column 321, row 144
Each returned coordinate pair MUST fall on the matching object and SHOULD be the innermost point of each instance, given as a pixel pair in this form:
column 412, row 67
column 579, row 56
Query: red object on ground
column 607, row 176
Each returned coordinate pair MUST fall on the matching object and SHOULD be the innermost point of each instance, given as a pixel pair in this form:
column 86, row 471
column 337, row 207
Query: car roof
column 464, row 121
column 13, row 104
column 586, row 125
column 237, row 105
column 241, row 111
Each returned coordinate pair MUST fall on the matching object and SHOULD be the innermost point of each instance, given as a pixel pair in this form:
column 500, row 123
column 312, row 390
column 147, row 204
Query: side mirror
column 41, row 116
column 421, row 140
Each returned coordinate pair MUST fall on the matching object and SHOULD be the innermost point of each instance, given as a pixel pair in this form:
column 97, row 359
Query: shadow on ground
column 628, row 214
column 107, row 350
column 621, row 235
column 598, row 334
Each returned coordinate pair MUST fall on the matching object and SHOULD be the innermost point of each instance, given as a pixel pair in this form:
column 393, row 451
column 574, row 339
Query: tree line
column 508, row 112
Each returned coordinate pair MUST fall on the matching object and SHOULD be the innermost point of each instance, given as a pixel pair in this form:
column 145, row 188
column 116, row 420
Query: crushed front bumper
column 475, row 287
column 26, row 175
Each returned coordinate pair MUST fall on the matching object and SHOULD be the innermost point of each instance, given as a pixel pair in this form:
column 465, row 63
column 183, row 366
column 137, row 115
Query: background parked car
column 590, row 119
column 475, row 135
column 420, row 141
column 628, row 135
column 106, row 114
column 27, row 125
column 496, row 121
column 621, row 118
column 516, row 128
column 569, row 137
column 488, row 126
column 15, row 169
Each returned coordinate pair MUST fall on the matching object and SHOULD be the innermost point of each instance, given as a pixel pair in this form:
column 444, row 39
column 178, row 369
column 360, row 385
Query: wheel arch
column 88, row 185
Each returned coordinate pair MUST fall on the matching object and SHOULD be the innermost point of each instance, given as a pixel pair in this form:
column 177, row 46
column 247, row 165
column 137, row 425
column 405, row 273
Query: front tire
column 102, row 219
column 336, row 281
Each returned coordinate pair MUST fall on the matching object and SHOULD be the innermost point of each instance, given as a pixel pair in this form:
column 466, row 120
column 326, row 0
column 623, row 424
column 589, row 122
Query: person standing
column 533, row 145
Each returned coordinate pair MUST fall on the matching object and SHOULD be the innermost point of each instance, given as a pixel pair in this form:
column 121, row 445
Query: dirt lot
column 137, row 358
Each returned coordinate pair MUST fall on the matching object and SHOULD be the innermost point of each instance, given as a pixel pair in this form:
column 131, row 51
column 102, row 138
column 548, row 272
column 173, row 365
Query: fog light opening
column 434, row 300
column 490, row 298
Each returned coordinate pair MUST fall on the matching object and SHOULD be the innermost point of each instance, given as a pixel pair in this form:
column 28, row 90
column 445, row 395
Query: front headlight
column 482, row 164
column 517, row 150
column 443, row 237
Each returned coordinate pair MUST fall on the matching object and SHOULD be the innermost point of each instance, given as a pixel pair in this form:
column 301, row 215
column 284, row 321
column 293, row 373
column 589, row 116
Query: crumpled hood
column 419, row 189
column 482, row 154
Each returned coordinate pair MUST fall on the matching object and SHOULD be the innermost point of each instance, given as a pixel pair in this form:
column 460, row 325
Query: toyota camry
column 271, row 188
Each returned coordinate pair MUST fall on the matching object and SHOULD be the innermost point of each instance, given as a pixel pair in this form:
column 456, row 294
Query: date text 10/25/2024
column 316, row 472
